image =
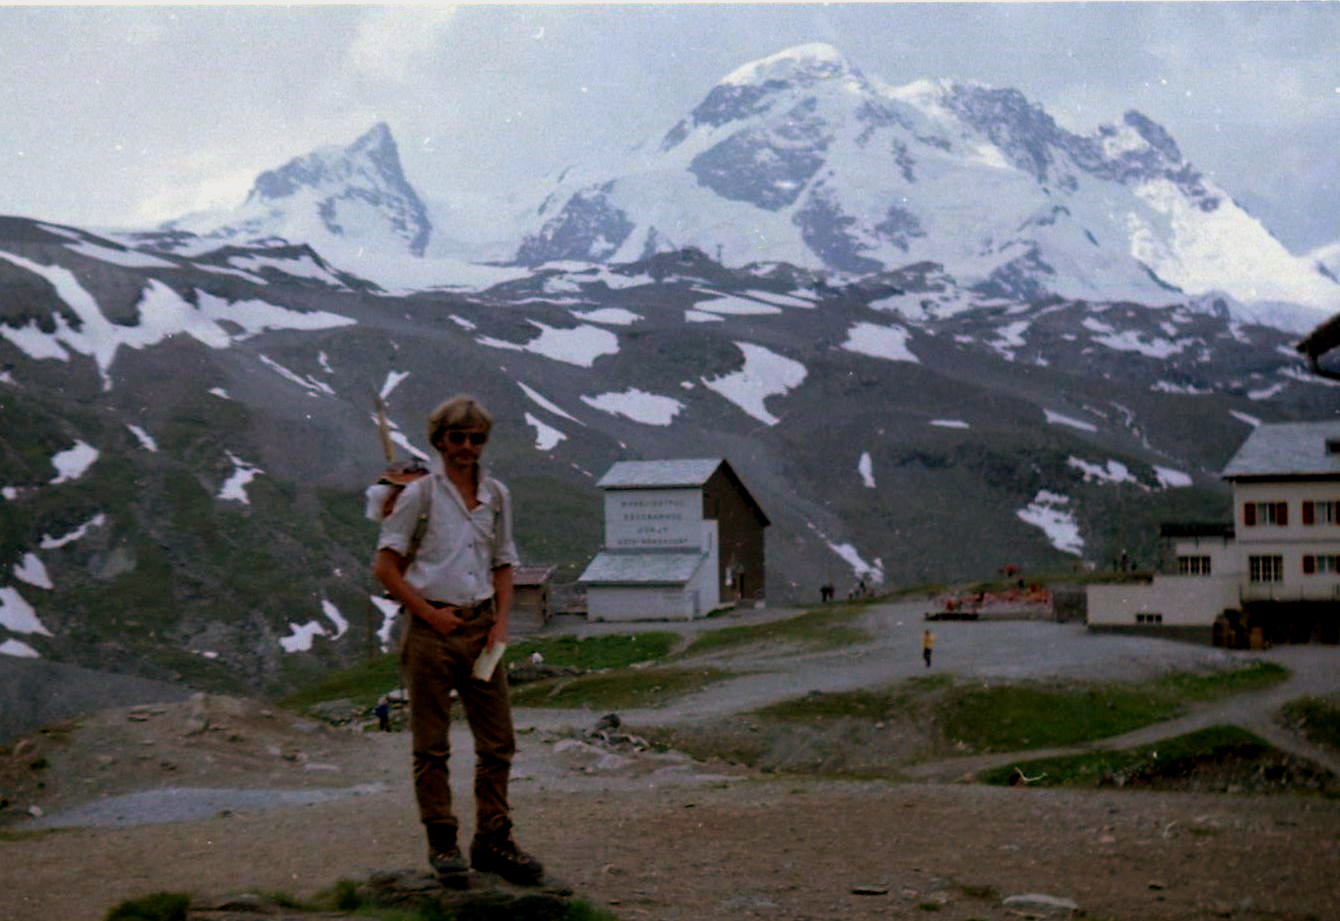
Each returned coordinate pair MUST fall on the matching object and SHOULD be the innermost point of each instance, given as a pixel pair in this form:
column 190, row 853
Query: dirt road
column 660, row 837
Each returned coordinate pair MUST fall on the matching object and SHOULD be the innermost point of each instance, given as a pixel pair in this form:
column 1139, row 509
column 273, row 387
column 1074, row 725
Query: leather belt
column 467, row 611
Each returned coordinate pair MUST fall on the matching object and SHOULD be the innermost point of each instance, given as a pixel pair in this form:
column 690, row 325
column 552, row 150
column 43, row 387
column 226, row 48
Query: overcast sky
column 114, row 116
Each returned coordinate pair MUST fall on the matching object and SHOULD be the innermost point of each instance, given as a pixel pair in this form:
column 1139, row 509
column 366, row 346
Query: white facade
column 1285, row 543
column 695, row 597
column 1292, row 560
column 1206, row 556
column 1168, row 601
column 654, row 519
column 665, row 560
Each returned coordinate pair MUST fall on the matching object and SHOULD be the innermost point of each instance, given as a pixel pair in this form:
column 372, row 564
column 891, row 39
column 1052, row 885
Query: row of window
column 1263, row 568
column 1277, row 513
column 1271, row 568
column 1193, row 566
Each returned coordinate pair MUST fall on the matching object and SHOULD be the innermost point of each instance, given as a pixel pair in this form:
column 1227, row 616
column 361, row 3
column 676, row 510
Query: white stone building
column 1274, row 571
column 682, row 538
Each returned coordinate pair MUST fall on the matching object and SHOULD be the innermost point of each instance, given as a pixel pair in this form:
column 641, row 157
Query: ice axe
column 397, row 473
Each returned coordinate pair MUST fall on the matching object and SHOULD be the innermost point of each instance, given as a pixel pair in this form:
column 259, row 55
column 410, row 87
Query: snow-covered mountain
column 933, row 332
column 800, row 158
column 336, row 199
column 187, row 438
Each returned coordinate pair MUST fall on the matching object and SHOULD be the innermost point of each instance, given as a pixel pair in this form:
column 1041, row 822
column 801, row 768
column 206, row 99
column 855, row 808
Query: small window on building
column 1276, row 513
column 1321, row 565
column 1265, row 568
column 1323, row 513
column 1148, row 618
column 1193, row 565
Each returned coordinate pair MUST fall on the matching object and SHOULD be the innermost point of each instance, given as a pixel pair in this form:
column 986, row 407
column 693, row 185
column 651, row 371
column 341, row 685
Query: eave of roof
column 641, row 567
column 683, row 473
column 1289, row 450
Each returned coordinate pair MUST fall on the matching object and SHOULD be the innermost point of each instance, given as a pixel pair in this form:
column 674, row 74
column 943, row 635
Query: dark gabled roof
column 681, row 473
column 1286, row 450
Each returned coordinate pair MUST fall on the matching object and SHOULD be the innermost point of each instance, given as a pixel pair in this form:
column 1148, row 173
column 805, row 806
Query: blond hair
column 460, row 412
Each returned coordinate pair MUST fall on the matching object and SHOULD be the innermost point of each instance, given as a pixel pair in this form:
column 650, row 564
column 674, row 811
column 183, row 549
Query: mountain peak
column 375, row 139
column 754, row 88
column 802, row 64
column 333, row 194
column 375, row 148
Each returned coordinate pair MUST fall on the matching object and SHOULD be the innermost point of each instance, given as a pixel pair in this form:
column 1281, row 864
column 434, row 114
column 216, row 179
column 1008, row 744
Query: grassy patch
column 623, row 689
column 820, row 628
column 871, row 731
column 1016, row 717
column 1216, row 685
column 611, row 650
column 345, row 898
column 818, row 705
column 869, row 705
column 369, row 680
column 1317, row 718
column 1022, row 716
column 161, row 906
column 1227, row 755
column 362, row 684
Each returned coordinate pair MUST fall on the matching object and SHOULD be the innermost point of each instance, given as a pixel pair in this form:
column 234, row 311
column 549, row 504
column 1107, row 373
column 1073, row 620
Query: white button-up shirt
column 460, row 547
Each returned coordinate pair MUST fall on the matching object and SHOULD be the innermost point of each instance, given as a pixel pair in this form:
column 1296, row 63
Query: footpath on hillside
column 655, row 835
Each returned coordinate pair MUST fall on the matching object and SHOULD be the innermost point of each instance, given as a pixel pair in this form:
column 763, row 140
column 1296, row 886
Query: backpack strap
column 420, row 525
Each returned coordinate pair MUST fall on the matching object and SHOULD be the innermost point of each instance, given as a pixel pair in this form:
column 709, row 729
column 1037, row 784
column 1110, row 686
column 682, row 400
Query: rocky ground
column 216, row 796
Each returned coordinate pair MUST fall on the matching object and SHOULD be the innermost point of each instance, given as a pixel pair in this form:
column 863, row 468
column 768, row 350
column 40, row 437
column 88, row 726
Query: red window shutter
column 1309, row 513
column 1309, row 565
column 1249, row 514
column 1281, row 513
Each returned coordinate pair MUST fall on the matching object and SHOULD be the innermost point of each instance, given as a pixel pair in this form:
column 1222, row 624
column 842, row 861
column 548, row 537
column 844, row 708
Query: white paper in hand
column 488, row 660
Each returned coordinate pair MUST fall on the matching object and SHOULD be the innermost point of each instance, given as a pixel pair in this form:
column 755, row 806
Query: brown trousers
column 433, row 665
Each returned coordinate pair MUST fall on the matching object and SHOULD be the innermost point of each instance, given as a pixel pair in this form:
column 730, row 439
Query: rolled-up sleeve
column 504, row 548
column 398, row 527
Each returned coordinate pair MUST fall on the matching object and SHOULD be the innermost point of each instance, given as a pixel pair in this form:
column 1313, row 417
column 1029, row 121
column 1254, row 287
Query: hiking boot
column 503, row 857
column 450, row 866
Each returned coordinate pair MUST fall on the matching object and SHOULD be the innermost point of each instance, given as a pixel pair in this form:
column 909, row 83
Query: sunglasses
column 460, row 438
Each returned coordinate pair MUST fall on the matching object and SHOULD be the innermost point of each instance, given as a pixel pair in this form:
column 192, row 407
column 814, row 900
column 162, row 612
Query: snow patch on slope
column 765, row 374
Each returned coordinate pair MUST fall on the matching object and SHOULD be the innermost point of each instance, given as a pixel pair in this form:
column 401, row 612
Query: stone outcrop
column 488, row 898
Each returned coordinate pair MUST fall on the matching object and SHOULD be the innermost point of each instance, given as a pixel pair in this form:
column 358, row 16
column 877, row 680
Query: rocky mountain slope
column 188, row 410
column 801, row 158
column 342, row 196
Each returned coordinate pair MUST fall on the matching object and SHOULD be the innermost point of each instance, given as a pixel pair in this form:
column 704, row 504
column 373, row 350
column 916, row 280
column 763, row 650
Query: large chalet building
column 1272, row 575
column 682, row 538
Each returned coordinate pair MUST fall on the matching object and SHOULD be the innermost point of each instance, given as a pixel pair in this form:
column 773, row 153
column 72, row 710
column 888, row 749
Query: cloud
column 192, row 193
column 391, row 41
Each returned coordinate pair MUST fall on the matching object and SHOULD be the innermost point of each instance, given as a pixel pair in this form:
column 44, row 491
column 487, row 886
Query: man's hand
column 444, row 620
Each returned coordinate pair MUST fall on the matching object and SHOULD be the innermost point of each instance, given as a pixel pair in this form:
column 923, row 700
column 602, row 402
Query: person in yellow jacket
column 927, row 645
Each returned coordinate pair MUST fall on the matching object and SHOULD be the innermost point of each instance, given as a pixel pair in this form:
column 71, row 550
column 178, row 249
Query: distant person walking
column 927, row 646
column 383, row 712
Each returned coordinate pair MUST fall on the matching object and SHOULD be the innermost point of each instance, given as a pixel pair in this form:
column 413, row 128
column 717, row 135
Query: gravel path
column 1009, row 650
column 654, row 837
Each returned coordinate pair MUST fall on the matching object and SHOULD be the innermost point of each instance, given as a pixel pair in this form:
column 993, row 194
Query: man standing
column 446, row 554
column 927, row 646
